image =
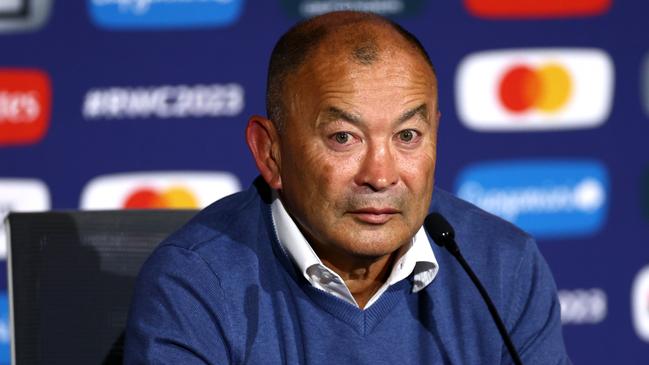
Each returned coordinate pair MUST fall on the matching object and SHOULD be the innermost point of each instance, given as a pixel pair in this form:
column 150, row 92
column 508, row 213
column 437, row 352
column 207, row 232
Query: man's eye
column 342, row 137
column 407, row 135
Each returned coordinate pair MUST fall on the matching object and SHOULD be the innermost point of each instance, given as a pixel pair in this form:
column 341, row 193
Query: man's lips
column 374, row 215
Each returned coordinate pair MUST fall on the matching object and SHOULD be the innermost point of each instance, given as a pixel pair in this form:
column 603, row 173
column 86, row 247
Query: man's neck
column 363, row 277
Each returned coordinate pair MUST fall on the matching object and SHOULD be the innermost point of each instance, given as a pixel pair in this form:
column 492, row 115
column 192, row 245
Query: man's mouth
column 374, row 215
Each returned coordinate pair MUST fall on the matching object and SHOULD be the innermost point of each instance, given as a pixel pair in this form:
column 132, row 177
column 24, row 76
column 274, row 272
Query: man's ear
column 263, row 140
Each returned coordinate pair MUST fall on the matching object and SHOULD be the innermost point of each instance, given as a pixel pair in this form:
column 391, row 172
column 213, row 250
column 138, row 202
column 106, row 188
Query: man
column 324, row 259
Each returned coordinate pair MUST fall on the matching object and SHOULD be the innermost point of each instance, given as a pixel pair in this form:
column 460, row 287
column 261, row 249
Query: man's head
column 351, row 140
column 296, row 46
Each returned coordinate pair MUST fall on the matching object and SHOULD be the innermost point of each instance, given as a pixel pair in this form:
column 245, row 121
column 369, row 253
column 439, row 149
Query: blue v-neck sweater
column 221, row 291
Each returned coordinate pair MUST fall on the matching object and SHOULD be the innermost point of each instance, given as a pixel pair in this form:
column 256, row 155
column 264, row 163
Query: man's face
column 358, row 151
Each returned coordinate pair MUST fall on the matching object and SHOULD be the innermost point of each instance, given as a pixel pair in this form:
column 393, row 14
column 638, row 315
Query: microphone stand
column 444, row 235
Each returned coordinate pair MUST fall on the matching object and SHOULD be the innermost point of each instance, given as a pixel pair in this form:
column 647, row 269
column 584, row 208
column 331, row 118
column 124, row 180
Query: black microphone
column 444, row 235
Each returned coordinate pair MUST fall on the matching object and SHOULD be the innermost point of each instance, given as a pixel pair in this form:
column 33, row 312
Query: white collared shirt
column 416, row 257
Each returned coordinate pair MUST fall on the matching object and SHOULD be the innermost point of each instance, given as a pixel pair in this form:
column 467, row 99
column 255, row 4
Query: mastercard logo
column 546, row 88
column 175, row 197
column 158, row 190
column 534, row 89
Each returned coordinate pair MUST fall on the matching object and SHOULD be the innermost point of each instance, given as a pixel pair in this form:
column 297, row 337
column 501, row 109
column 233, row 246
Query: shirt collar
column 416, row 258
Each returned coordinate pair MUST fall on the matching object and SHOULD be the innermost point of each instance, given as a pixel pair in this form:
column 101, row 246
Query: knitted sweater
column 221, row 291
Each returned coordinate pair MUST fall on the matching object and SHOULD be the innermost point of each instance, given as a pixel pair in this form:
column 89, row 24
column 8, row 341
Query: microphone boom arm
column 444, row 235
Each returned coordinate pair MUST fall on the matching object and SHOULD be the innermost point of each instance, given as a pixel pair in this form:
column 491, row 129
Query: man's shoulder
column 224, row 247
column 478, row 230
column 232, row 223
column 512, row 270
column 499, row 253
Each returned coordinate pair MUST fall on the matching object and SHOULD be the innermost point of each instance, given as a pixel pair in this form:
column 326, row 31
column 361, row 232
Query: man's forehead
column 363, row 43
column 346, row 52
column 340, row 76
column 333, row 113
column 339, row 42
column 366, row 53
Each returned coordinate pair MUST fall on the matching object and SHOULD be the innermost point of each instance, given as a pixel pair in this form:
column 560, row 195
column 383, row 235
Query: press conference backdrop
column 545, row 119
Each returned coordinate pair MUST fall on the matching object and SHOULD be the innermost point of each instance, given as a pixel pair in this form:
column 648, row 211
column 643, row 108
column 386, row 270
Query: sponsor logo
column 518, row 9
column 645, row 83
column 640, row 304
column 5, row 348
column 166, row 101
column 20, row 195
column 171, row 197
column 645, row 193
column 158, row 190
column 549, row 199
column 23, row 15
column 161, row 14
column 14, row 8
column 534, row 89
column 309, row 8
column 583, row 306
column 25, row 98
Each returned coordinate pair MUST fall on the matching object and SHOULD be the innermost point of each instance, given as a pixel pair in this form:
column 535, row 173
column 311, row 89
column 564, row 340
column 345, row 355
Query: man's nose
column 378, row 169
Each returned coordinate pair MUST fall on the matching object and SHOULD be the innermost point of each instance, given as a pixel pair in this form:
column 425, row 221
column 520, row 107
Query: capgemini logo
column 141, row 7
column 546, row 198
column 134, row 14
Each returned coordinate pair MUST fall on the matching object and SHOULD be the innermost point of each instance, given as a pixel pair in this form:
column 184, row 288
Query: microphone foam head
column 439, row 229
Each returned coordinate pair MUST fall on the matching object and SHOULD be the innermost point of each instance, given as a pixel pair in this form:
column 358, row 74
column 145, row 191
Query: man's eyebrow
column 334, row 113
column 421, row 110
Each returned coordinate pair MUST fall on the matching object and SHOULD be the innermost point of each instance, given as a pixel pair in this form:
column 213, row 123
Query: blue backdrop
column 545, row 112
